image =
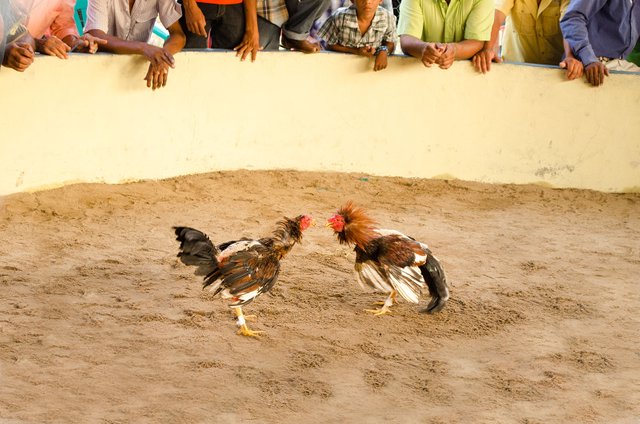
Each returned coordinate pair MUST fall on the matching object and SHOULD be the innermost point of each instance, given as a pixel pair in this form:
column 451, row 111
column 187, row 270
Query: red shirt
column 220, row 1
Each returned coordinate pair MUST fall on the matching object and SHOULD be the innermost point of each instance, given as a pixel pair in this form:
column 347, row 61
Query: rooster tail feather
column 196, row 250
column 436, row 280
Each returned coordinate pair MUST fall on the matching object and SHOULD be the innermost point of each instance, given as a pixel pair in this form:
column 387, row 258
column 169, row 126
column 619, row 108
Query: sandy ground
column 100, row 323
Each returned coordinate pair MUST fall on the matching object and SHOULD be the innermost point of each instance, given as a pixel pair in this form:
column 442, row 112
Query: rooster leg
column 385, row 306
column 383, row 302
column 243, row 329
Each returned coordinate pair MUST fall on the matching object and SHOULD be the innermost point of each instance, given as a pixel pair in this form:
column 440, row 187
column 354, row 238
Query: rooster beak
column 327, row 225
column 313, row 222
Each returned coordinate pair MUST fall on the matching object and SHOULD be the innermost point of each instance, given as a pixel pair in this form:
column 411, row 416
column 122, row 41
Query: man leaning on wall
column 53, row 28
column 127, row 25
column 17, row 47
column 289, row 22
column 531, row 35
column 602, row 33
column 441, row 31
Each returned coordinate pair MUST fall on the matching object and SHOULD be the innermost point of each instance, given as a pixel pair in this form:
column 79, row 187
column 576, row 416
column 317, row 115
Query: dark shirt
column 601, row 28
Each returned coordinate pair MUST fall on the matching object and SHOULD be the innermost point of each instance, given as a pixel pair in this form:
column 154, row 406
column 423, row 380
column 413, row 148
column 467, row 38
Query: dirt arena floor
column 100, row 323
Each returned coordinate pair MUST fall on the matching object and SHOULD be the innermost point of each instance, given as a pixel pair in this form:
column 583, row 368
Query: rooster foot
column 378, row 312
column 246, row 331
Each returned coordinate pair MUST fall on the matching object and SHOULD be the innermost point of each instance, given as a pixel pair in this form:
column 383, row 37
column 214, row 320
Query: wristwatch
column 382, row 48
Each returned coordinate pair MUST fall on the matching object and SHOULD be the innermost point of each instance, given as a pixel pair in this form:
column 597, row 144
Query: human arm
column 196, row 22
column 19, row 55
column 382, row 55
column 573, row 66
column 250, row 43
column 574, row 28
column 367, row 51
column 489, row 52
column 427, row 53
column 158, row 74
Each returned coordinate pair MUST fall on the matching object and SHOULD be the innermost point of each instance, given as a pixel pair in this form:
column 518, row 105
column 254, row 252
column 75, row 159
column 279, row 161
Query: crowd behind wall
column 581, row 36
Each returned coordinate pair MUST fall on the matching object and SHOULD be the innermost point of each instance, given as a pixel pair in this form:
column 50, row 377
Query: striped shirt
column 342, row 28
column 274, row 11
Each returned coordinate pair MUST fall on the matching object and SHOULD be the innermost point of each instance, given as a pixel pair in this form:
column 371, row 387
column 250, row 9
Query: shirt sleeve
column 480, row 21
column 505, row 6
column 64, row 24
column 97, row 16
column 574, row 28
column 390, row 35
column 411, row 20
column 329, row 30
column 169, row 12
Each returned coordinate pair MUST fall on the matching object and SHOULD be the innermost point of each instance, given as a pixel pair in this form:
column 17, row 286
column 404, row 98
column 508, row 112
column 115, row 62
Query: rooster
column 240, row 270
column 389, row 261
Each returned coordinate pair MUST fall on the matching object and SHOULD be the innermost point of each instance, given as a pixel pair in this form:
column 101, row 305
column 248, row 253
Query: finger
column 487, row 64
column 201, row 28
column 168, row 58
column 254, row 54
column 165, row 76
column 563, row 65
column 606, row 72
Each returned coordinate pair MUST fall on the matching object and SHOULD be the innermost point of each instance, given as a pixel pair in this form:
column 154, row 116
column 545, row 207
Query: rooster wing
column 391, row 262
column 247, row 269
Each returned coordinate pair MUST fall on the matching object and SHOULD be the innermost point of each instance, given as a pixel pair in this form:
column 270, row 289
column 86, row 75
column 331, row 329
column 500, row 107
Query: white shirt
column 113, row 17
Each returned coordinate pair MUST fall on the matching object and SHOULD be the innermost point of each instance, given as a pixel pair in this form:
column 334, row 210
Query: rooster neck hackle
column 358, row 228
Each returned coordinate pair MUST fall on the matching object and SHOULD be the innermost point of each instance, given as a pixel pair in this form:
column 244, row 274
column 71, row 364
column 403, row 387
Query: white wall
column 92, row 119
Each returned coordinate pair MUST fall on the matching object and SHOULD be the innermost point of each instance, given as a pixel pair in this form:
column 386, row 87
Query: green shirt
column 435, row 21
column 634, row 57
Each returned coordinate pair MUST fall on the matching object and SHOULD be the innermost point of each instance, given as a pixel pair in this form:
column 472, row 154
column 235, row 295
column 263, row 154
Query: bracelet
column 382, row 48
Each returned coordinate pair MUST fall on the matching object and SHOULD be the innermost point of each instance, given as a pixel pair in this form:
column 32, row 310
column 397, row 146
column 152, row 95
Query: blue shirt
column 595, row 28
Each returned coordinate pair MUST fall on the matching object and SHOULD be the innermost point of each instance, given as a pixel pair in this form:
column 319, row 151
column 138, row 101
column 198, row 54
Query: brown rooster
column 240, row 270
column 390, row 262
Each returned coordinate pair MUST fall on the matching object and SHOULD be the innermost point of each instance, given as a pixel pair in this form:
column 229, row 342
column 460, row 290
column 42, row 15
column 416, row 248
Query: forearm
column 391, row 46
column 495, row 31
column 576, row 36
column 251, row 16
column 117, row 45
column 412, row 46
column 343, row 49
column 465, row 49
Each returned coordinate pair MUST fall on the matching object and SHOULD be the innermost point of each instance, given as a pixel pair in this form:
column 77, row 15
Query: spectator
column 289, row 21
column 128, row 28
column 532, row 34
column 634, row 57
column 231, row 25
column 17, row 47
column 53, row 27
column 441, row 31
column 366, row 29
column 601, row 33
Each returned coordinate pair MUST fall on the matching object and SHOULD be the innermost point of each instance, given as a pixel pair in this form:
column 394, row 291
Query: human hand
column 18, row 56
column 595, row 73
column 88, row 44
column 157, row 75
column 430, row 54
column 482, row 60
column 381, row 61
column 158, row 55
column 448, row 55
column 196, row 23
column 53, row 46
column 250, row 44
column 366, row 51
column 573, row 66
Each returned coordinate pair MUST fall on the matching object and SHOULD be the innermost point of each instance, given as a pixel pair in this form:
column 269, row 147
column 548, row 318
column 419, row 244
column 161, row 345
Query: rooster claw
column 246, row 331
column 378, row 312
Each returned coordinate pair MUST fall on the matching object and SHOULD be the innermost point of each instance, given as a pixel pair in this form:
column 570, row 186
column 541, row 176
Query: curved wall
column 91, row 119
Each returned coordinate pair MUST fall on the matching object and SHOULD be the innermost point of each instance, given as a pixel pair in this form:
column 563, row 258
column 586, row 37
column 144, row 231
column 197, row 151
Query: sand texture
column 100, row 323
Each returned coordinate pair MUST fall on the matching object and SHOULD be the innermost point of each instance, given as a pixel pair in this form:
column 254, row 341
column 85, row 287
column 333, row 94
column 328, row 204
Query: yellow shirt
column 532, row 33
